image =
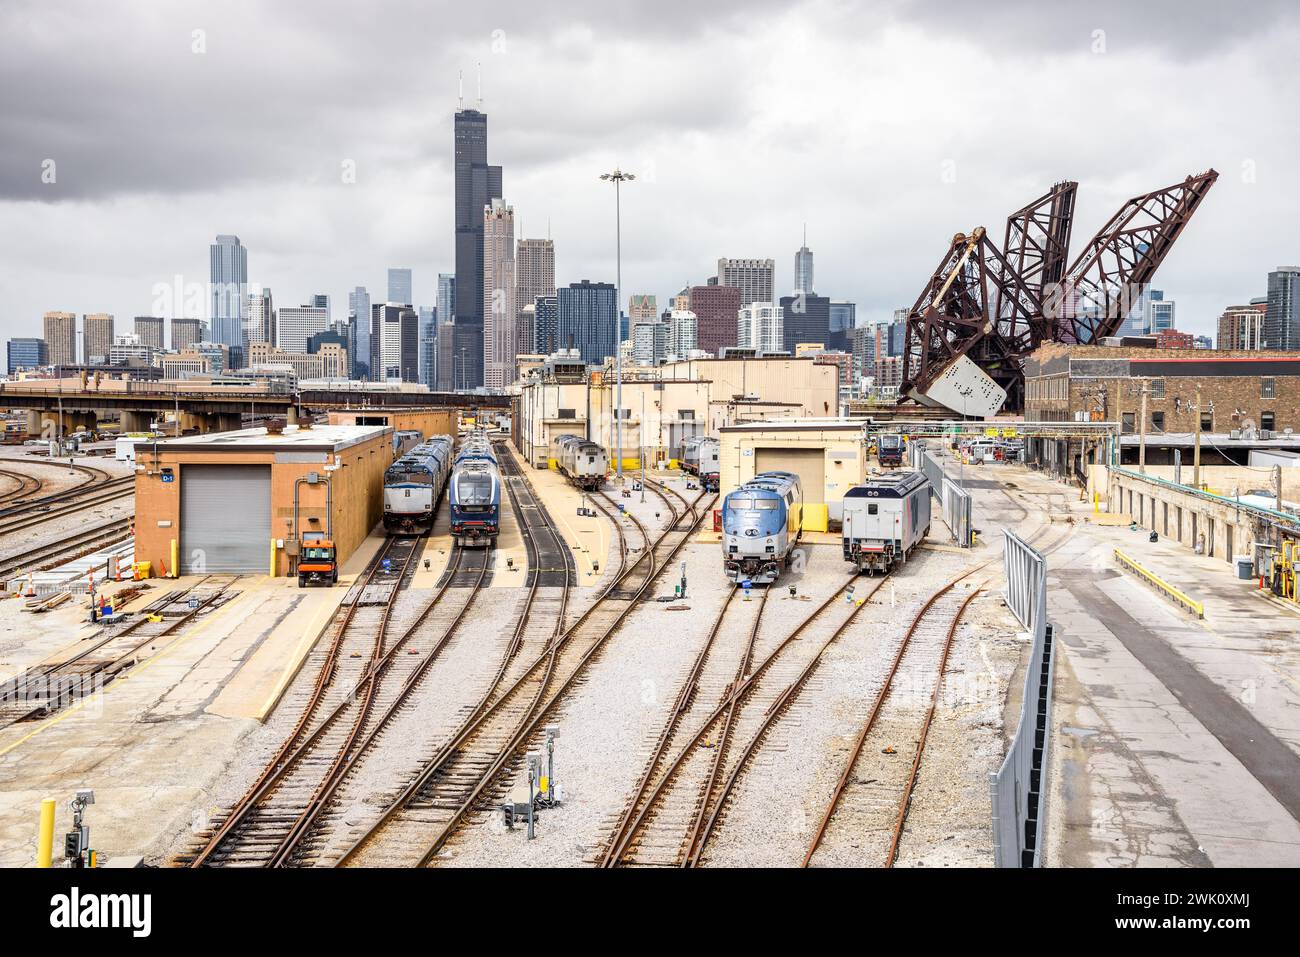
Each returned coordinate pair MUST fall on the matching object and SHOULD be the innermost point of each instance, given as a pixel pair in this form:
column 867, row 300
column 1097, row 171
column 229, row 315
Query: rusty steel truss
column 995, row 306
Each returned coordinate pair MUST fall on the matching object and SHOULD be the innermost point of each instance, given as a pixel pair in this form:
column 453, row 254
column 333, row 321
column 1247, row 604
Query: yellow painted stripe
column 1178, row 597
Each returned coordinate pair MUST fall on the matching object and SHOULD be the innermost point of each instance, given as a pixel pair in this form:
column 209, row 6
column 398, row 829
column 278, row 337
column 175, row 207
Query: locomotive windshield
column 474, row 490
column 411, row 475
column 763, row 515
column 889, row 441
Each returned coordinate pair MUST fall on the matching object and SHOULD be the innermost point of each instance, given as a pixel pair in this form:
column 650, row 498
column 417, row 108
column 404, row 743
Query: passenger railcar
column 413, row 485
column 889, row 449
column 762, row 521
column 475, row 493
column 700, row 458
column 884, row 519
column 404, row 440
column 581, row 461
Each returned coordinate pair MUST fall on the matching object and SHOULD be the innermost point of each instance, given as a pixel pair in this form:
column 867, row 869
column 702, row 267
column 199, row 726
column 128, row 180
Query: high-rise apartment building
column 476, row 185
column 717, row 308
column 228, row 261
column 760, row 327
column 151, row 331
column 649, row 342
column 683, row 333
column 500, row 313
column 259, row 317
column 186, row 333
column 96, row 338
column 399, row 286
column 295, row 325
column 1242, row 327
column 755, row 278
column 546, row 325
column 1282, row 322
column 587, row 319
column 803, row 266
column 394, row 343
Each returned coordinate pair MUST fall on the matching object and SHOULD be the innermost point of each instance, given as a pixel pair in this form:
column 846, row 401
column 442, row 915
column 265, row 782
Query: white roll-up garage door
column 225, row 519
column 808, row 464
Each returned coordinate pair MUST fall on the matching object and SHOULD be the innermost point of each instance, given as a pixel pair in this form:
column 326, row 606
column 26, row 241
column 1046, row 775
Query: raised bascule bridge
column 985, row 307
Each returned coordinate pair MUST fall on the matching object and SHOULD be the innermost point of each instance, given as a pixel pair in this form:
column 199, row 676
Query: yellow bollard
column 175, row 565
column 45, row 842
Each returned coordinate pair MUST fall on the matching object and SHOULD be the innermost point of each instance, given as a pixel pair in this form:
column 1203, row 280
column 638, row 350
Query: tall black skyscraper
column 477, row 184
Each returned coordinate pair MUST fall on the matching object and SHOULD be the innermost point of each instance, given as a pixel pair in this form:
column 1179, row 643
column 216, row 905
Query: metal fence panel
column 957, row 511
column 1019, row 786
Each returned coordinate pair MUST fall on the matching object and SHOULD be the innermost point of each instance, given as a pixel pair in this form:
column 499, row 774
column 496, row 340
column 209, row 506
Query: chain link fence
column 1019, row 787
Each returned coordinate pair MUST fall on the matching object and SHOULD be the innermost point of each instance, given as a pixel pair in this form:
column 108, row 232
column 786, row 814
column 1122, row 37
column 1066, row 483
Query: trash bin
column 1245, row 567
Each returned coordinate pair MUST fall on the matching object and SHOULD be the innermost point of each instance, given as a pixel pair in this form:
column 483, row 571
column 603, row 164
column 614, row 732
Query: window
column 1157, row 388
column 685, row 413
column 1158, row 421
column 1207, row 421
column 872, row 508
column 1129, row 421
column 566, row 414
column 1267, row 388
column 1266, row 421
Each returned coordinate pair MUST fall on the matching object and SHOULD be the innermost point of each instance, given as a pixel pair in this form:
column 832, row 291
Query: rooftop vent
column 275, row 426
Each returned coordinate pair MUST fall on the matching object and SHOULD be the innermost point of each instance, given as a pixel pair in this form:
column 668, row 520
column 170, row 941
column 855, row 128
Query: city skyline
column 879, row 224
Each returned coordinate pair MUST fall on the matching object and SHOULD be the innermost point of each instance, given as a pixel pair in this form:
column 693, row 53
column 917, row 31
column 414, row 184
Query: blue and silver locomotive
column 475, row 493
column 413, row 484
column 762, row 521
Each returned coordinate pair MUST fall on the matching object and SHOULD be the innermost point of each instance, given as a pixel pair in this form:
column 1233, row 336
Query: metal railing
column 957, row 512
column 1019, row 787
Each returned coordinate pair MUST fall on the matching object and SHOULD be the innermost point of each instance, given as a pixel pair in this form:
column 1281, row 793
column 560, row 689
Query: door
column 808, row 464
column 225, row 519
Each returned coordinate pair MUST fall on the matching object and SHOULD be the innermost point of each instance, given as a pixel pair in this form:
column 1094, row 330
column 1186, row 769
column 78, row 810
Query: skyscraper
column 477, row 184
column 444, row 359
column 717, row 309
column 844, row 317
column 186, row 332
column 359, row 321
column 259, row 317
column 27, row 354
column 229, row 278
column 586, row 320
column 683, row 332
column 446, row 297
column 428, row 346
column 399, row 286
column 753, row 277
column 641, row 307
column 150, row 330
column 760, row 327
column 546, row 325
column 500, row 314
column 1242, row 327
column 1282, row 321
column 97, row 338
column 803, row 266
column 807, row 318
column 534, row 276
column 297, row 324
column 394, row 343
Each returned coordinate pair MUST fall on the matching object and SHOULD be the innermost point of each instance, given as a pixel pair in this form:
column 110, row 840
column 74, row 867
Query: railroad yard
column 828, row 720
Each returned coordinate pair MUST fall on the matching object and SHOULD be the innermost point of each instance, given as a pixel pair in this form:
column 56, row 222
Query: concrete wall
column 814, row 388
column 357, row 496
column 427, row 421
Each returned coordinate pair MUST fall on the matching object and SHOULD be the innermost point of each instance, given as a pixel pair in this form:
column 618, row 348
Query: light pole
column 618, row 177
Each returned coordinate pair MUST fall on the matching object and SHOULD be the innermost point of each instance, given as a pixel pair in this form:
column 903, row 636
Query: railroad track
column 27, row 485
column 472, row 768
column 66, row 549
column 80, row 499
column 49, row 688
column 872, row 796
column 362, row 682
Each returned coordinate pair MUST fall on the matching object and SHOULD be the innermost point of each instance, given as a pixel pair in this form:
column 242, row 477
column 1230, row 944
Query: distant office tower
column 898, row 332
column 96, row 337
column 428, row 316
column 546, row 325
column 1242, row 327
column 477, row 184
column 394, row 343
column 150, row 330
column 760, row 327
column 1160, row 313
column 186, row 333
column 753, row 277
column 534, row 276
column 1282, row 322
column 218, row 355
column 359, row 320
column 642, row 308
column 259, row 317
column 128, row 350
column 294, row 325
column 446, row 297
column 843, row 317
column 399, row 286
column 807, row 318
column 649, row 342
column 683, row 332
column 500, row 315
column 682, row 300
column 870, row 345
column 27, row 354
column 587, row 319
column 803, row 266
column 229, row 278
column 717, row 308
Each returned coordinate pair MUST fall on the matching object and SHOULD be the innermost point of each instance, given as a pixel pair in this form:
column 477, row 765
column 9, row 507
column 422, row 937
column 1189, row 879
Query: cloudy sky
column 886, row 127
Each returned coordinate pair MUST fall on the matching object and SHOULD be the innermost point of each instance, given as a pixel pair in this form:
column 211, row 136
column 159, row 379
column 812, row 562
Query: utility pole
column 618, row 177
column 1196, row 454
column 1277, row 478
column 1142, row 433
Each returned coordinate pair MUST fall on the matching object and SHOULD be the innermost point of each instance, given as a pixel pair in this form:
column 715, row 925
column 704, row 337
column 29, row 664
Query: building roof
column 323, row 438
column 797, row 425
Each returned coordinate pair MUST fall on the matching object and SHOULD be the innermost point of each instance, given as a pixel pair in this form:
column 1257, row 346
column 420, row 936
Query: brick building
column 717, row 308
